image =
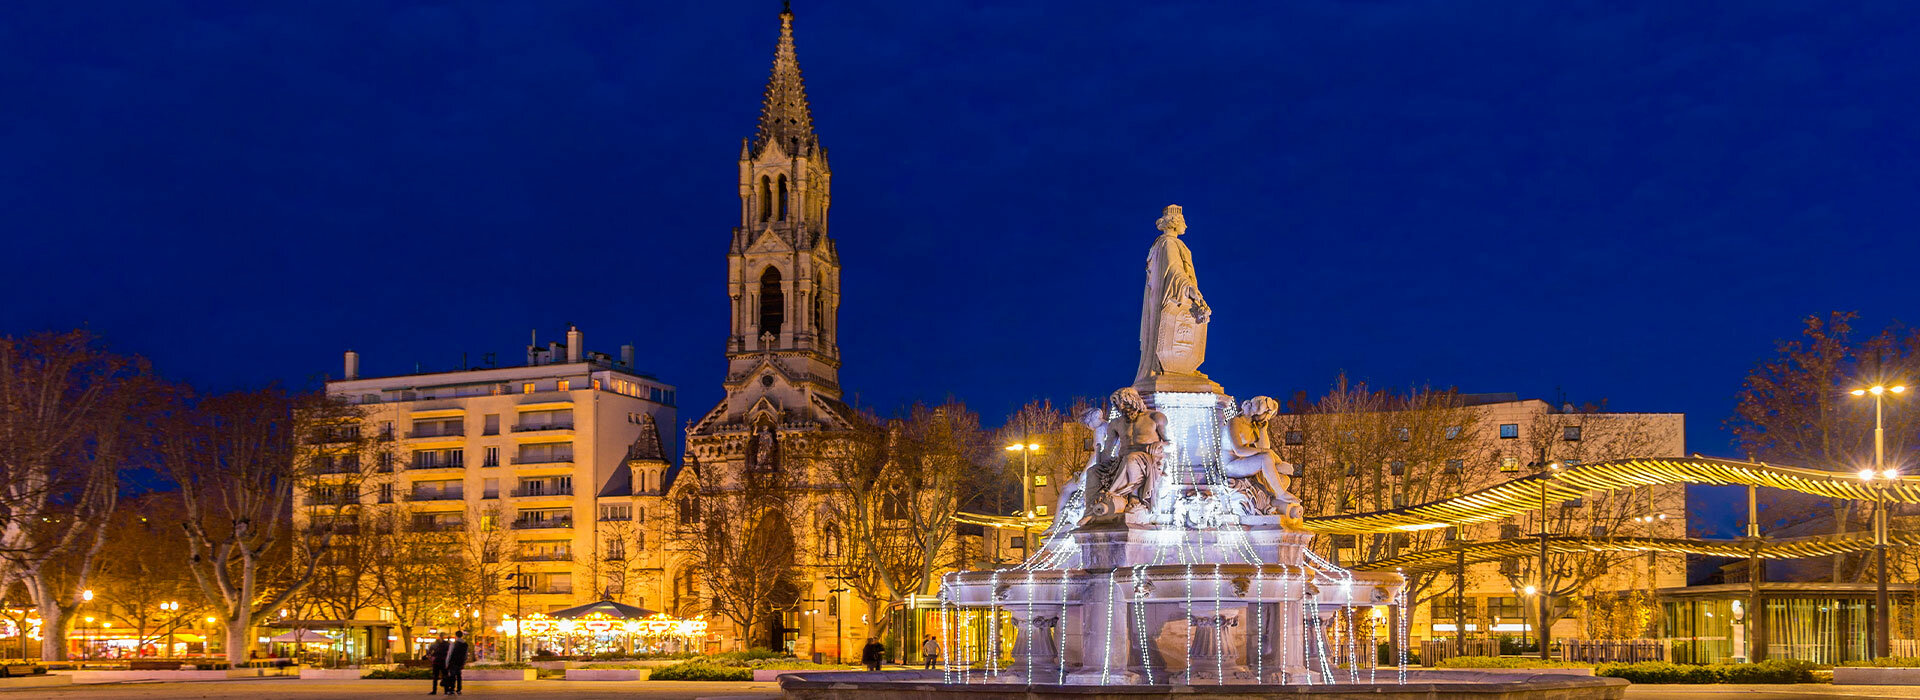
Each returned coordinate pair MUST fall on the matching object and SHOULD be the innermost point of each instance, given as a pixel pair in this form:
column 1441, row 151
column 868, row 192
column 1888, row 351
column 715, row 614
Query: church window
column 766, row 198
column 772, row 301
column 783, row 197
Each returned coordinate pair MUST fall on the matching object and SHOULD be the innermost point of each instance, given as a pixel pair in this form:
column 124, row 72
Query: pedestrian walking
column 456, row 663
column 930, row 650
column 873, row 653
column 437, row 661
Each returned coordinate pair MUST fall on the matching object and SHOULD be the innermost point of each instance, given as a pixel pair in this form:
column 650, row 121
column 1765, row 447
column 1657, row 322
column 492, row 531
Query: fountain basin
column 1420, row 685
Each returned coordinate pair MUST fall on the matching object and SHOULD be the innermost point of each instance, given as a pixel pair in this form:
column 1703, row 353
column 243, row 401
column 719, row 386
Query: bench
column 144, row 665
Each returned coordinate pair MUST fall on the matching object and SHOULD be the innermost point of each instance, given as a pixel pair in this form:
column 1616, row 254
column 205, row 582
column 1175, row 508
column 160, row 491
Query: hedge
column 1505, row 662
column 1655, row 672
column 701, row 671
column 1888, row 662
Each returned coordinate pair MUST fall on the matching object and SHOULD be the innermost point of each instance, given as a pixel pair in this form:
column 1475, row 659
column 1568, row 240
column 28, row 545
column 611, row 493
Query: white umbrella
column 304, row 637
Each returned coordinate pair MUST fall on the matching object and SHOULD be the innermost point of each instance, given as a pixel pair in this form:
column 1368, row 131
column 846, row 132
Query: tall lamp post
column 1881, row 634
column 1026, row 495
column 86, row 597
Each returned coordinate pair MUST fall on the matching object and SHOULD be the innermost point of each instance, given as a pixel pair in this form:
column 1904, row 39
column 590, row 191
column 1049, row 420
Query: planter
column 498, row 674
column 332, row 674
column 1843, row 675
column 608, row 674
column 1570, row 671
column 768, row 675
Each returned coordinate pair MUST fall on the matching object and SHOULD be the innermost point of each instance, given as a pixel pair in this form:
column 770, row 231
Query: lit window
column 1040, row 510
column 1039, row 480
column 1509, row 464
column 566, row 385
column 526, row 388
column 1509, row 431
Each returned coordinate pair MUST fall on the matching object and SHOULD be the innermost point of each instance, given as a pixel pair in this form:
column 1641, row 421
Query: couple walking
column 448, row 659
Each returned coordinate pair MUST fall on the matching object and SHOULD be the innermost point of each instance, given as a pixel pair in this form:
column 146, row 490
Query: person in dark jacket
column 437, row 660
column 873, row 653
column 456, row 663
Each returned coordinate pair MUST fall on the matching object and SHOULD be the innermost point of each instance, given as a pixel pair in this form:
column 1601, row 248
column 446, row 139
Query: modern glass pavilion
column 1826, row 623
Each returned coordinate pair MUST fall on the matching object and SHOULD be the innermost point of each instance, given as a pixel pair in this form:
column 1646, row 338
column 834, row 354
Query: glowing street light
column 1881, row 633
column 1026, row 495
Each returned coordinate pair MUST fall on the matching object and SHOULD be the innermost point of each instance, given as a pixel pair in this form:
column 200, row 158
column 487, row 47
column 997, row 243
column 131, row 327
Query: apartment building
column 529, row 451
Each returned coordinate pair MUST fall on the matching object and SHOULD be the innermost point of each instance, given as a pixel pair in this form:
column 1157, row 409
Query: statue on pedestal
column 1252, row 466
column 1173, row 315
column 1143, row 438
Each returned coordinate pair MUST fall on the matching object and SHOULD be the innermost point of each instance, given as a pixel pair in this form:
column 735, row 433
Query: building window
column 782, row 180
column 1455, row 466
column 1404, row 434
column 1019, row 542
column 1571, row 433
column 565, row 385
column 1296, row 437
column 526, row 388
column 1509, row 464
column 386, row 493
column 1397, row 467
column 1573, row 503
column 493, row 424
column 1453, row 431
column 492, row 458
column 1040, row 510
column 766, row 198
column 1039, row 480
column 619, row 511
column 1506, row 608
column 1509, row 431
column 772, row 303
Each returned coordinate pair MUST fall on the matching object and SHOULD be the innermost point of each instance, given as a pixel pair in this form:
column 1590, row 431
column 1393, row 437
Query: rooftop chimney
column 626, row 356
column 353, row 365
column 533, row 347
column 576, row 344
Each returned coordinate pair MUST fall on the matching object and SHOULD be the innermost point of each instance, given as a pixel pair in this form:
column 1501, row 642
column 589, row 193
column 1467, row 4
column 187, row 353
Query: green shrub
column 400, row 674
column 742, row 658
column 1888, row 662
column 1505, row 662
column 1390, row 656
column 701, row 671
column 1656, row 672
column 504, row 666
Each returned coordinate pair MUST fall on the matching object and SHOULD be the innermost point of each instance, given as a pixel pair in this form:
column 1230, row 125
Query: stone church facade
column 783, row 369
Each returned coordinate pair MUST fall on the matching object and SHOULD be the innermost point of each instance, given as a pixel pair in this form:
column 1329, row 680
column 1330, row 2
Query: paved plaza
column 689, row 690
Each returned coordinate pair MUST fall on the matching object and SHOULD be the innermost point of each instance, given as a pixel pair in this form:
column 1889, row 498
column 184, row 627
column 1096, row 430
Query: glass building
column 1826, row 623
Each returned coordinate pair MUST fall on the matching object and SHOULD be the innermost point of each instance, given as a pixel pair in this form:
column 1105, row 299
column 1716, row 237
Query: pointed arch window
column 772, row 301
column 818, row 320
column 783, row 196
column 766, row 198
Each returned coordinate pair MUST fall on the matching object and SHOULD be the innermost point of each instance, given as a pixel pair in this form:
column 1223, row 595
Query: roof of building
column 785, row 116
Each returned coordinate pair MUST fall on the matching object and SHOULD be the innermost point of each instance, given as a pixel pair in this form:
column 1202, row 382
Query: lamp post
column 86, row 597
column 1546, row 476
column 519, row 587
column 839, row 616
column 172, row 608
column 1026, row 495
column 813, row 633
column 1881, row 634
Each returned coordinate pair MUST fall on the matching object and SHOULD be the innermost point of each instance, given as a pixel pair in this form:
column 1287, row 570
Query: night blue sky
column 1614, row 201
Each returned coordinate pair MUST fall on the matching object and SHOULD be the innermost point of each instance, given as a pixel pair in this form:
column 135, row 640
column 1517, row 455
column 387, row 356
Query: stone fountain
column 1176, row 555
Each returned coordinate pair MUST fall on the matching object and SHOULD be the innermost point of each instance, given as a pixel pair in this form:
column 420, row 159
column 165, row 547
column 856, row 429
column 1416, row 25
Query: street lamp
column 1880, row 618
column 1026, row 495
column 813, row 633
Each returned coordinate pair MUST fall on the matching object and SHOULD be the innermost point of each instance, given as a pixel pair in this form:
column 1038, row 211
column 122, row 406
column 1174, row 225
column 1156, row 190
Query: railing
column 552, row 590
column 538, row 428
column 438, row 495
column 1434, row 651
column 543, row 491
column 337, row 468
column 439, row 526
column 605, row 518
column 551, row 523
column 437, row 464
column 553, row 556
column 338, row 500
column 530, row 459
column 1607, row 650
column 439, row 432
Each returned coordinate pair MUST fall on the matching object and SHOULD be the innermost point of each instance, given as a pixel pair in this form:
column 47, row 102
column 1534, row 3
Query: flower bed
column 1656, row 672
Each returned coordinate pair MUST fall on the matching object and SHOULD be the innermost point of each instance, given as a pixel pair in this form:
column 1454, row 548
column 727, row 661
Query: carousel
column 605, row 627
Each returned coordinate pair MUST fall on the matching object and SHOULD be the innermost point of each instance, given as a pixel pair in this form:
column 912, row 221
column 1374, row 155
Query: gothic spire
column 784, row 114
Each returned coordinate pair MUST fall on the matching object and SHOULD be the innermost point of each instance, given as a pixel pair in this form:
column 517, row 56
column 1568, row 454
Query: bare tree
column 236, row 459
column 139, row 577
column 70, row 413
column 739, row 537
column 904, row 481
column 1358, row 449
column 1794, row 409
column 409, row 563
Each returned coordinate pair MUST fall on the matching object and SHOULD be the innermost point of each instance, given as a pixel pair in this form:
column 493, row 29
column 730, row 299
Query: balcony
column 538, row 491
column 542, row 427
column 551, row 590
column 336, row 435
column 437, row 464
column 438, row 526
column 548, row 524
column 543, row 459
column 545, row 556
column 438, row 495
column 337, row 468
column 436, row 433
column 333, row 500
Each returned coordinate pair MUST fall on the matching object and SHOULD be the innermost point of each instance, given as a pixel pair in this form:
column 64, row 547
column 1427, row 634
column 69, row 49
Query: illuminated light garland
column 1320, row 638
column 1403, row 635
column 1259, row 628
column 1140, row 620
column 1353, row 646
column 1032, row 625
column 1060, row 629
column 1113, row 601
column 1192, row 619
column 1219, row 638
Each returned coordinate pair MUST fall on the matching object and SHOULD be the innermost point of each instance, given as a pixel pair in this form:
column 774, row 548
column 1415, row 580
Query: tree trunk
column 53, row 618
column 239, row 641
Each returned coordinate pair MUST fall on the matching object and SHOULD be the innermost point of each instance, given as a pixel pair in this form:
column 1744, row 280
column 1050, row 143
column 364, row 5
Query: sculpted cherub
column 1143, row 438
column 1251, row 465
column 1080, row 497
